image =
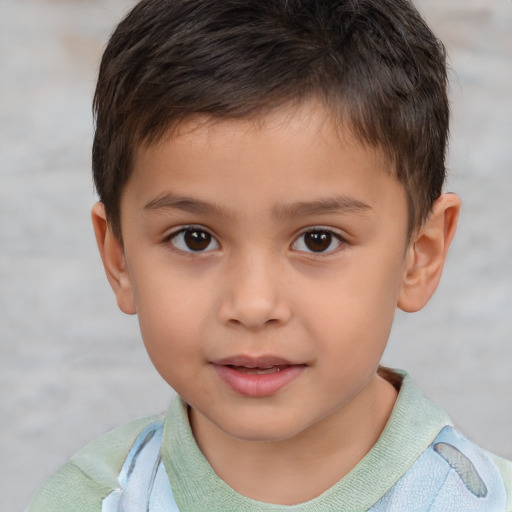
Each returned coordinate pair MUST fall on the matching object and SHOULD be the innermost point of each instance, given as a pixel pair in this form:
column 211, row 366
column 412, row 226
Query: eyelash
column 191, row 229
column 334, row 236
column 207, row 238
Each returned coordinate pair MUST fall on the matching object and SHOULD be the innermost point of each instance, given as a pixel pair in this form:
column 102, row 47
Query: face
column 264, row 259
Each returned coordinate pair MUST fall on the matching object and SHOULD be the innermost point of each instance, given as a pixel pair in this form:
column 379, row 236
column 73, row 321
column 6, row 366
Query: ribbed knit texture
column 92, row 473
column 414, row 424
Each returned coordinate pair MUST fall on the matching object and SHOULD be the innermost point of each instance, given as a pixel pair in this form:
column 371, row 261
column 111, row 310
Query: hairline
column 336, row 112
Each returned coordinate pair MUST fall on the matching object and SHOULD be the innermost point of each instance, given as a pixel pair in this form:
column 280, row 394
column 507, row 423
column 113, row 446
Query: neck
column 298, row 469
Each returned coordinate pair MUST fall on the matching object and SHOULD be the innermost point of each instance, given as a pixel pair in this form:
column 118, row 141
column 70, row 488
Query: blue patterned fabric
column 452, row 475
column 143, row 481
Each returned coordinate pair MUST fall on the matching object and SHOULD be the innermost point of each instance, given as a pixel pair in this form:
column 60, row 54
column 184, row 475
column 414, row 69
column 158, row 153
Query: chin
column 260, row 431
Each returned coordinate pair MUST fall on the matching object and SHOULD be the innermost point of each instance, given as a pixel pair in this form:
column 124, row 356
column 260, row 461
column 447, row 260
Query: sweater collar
column 412, row 427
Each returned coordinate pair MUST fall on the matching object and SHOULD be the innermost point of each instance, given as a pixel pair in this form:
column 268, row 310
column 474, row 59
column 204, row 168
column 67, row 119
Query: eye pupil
column 197, row 240
column 318, row 241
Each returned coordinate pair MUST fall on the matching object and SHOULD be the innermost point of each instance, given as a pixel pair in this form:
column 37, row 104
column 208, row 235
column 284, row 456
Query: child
column 270, row 176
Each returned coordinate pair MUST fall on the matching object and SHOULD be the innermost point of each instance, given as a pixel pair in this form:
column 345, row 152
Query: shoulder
column 91, row 474
column 505, row 467
column 453, row 474
column 471, row 468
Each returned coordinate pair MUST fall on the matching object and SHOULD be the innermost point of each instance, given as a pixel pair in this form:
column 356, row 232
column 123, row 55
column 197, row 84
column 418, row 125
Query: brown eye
column 194, row 240
column 197, row 240
column 320, row 241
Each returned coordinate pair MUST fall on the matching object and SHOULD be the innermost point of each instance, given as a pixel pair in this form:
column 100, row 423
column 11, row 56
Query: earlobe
column 427, row 252
column 112, row 256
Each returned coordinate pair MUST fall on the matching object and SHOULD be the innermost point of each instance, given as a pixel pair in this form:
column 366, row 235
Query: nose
column 254, row 296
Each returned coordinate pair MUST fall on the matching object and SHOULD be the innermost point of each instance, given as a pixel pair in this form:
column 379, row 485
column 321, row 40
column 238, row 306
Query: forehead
column 289, row 155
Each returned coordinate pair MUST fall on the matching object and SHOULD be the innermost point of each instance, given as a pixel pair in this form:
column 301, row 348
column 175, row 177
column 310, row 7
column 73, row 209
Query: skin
column 257, row 187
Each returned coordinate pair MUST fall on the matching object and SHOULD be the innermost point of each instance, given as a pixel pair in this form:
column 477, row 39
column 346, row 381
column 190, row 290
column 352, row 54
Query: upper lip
column 266, row 361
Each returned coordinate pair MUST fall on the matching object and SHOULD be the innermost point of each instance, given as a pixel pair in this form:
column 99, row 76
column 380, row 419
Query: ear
column 427, row 252
column 112, row 255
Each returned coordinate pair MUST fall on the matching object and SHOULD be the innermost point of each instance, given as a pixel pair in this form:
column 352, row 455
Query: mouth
column 258, row 371
column 257, row 377
column 265, row 362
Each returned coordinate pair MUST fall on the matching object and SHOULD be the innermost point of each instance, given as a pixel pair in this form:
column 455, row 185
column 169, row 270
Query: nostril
column 253, row 301
column 235, row 322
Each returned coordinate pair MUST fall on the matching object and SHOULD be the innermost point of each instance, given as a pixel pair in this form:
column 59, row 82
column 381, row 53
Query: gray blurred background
column 73, row 367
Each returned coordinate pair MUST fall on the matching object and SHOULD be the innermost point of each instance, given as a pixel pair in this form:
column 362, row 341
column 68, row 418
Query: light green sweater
column 92, row 473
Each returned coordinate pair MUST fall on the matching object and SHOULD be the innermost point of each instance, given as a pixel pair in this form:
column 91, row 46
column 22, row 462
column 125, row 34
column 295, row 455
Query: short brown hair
column 375, row 64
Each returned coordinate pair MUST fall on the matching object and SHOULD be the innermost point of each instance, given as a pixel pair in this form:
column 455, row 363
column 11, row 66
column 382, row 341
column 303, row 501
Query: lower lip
column 258, row 385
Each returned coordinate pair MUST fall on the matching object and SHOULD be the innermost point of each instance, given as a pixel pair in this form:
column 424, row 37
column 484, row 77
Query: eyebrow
column 329, row 205
column 171, row 201
column 333, row 205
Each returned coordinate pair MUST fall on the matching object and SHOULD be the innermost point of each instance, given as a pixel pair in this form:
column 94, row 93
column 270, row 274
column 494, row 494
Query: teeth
column 258, row 371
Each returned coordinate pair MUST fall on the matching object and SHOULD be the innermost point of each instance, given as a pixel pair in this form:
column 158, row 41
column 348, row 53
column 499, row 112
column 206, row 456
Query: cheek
column 173, row 345
column 171, row 317
column 354, row 308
